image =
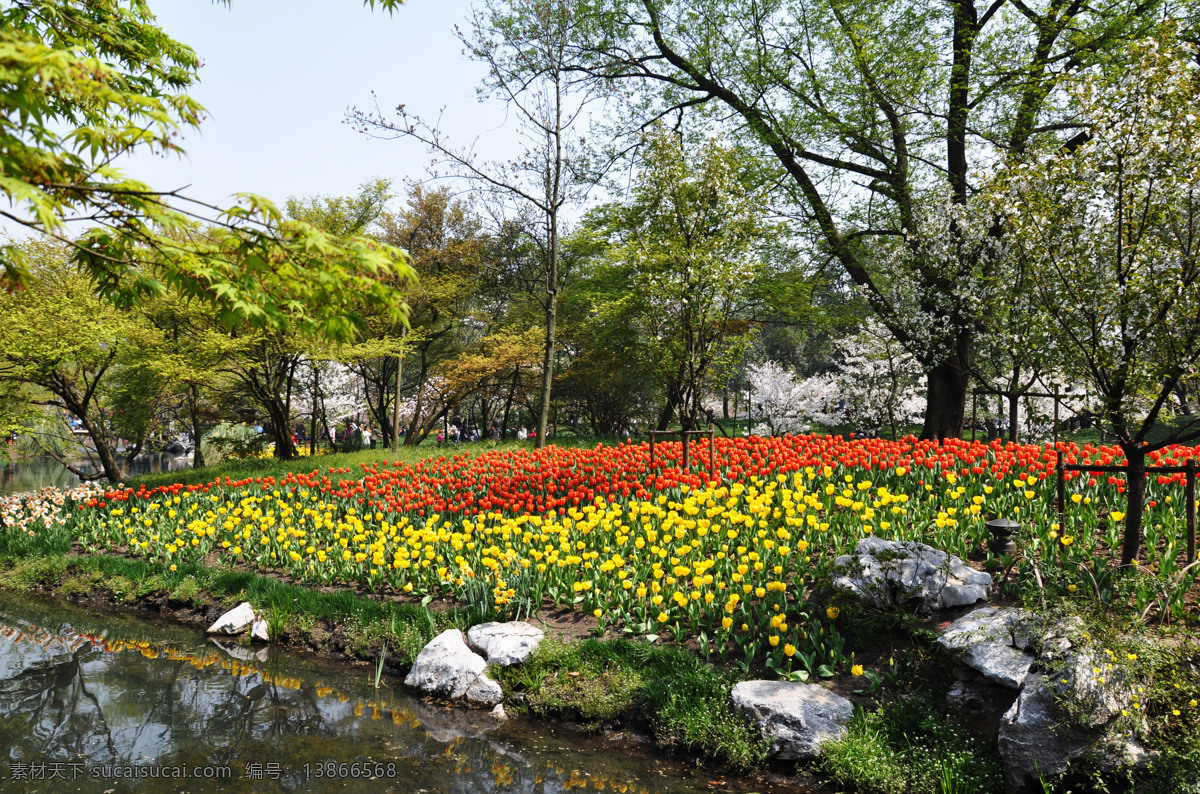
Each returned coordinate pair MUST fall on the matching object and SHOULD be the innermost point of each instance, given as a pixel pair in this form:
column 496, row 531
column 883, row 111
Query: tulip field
column 741, row 563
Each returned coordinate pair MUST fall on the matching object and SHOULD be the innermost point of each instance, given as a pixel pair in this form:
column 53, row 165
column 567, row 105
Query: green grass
column 910, row 747
column 683, row 700
column 272, row 467
column 15, row 545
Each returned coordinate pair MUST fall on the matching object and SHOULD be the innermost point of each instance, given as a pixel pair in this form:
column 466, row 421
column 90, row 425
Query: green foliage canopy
column 82, row 83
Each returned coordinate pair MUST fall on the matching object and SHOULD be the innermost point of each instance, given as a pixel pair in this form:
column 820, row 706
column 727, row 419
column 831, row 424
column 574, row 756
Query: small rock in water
column 235, row 621
column 485, row 692
column 258, row 632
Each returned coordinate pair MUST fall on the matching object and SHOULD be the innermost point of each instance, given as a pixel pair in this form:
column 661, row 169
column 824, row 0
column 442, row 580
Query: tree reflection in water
column 96, row 690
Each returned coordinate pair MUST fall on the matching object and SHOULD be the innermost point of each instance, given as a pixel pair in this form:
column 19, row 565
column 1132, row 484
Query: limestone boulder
column 484, row 692
column 993, row 641
column 1039, row 738
column 235, row 621
column 504, row 643
column 894, row 573
column 447, row 668
column 796, row 718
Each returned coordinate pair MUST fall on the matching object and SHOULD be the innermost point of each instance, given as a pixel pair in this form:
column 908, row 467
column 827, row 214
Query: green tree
column 873, row 117
column 1111, row 223
column 74, row 354
column 685, row 250
column 86, row 81
column 189, row 361
column 378, row 355
column 444, row 237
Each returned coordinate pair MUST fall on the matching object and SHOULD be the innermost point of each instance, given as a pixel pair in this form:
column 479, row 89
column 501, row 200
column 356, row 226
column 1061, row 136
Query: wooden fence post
column 712, row 454
column 974, row 401
column 1061, row 474
column 1191, row 510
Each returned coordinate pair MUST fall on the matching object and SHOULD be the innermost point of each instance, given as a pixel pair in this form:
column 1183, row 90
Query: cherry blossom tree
column 1113, row 223
column 787, row 406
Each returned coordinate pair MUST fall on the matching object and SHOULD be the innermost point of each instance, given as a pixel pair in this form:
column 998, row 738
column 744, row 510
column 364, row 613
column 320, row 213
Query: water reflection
column 31, row 474
column 105, row 702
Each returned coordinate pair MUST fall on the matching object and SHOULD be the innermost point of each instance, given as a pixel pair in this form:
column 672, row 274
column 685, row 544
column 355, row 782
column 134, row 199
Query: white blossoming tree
column 329, row 391
column 880, row 384
column 1113, row 225
column 785, row 406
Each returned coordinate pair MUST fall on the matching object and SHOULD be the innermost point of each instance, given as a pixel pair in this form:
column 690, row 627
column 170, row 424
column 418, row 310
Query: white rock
column 991, row 640
column 259, row 633
column 888, row 572
column 1038, row 738
column 795, row 717
column 999, row 663
column 1007, row 625
column 485, row 692
column 446, row 667
column 504, row 643
column 235, row 621
column 499, row 712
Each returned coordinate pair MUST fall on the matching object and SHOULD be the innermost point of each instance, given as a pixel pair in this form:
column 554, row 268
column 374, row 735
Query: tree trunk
column 312, row 418
column 108, row 460
column 194, row 421
column 414, row 436
column 946, row 399
column 508, row 401
column 665, row 416
column 396, row 404
column 551, row 329
column 276, row 410
column 1013, row 416
column 1135, row 494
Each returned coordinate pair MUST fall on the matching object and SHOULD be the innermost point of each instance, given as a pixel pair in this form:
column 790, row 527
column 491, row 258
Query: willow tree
column 1113, row 224
column 873, row 115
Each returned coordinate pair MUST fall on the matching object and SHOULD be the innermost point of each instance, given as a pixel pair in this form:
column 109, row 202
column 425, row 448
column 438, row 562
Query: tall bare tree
column 524, row 45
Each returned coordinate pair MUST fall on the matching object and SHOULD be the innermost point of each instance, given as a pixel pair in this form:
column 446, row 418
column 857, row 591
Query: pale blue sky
column 278, row 78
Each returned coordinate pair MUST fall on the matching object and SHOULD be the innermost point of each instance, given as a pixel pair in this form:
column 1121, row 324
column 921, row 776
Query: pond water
column 107, row 703
column 30, row 474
